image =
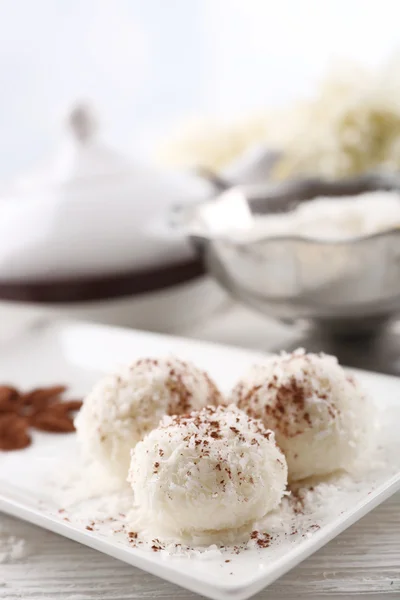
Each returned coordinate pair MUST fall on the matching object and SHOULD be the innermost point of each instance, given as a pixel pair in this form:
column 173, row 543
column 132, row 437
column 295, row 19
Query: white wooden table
column 363, row 562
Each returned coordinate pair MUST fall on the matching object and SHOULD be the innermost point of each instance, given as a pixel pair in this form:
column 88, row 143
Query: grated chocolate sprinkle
column 283, row 400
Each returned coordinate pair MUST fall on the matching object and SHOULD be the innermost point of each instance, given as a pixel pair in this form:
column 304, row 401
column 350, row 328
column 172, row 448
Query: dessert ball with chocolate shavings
column 126, row 405
column 214, row 469
column 322, row 419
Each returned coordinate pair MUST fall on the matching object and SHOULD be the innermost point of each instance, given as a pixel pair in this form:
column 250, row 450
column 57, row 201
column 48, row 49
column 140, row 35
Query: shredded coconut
column 12, row 548
column 328, row 219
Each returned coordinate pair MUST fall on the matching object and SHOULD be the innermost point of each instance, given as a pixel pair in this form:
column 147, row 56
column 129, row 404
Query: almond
column 66, row 407
column 52, row 421
column 40, row 398
column 9, row 399
column 40, row 408
column 13, row 432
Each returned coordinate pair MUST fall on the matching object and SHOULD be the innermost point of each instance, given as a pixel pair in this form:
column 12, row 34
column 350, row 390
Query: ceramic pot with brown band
column 90, row 231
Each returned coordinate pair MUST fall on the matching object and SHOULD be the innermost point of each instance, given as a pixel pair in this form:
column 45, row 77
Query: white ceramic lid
column 91, row 211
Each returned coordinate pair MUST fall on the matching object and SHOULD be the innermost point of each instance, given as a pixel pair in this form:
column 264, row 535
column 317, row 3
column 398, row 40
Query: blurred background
column 122, row 121
column 149, row 65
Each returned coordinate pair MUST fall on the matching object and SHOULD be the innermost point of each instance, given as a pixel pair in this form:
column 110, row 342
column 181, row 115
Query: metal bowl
column 346, row 286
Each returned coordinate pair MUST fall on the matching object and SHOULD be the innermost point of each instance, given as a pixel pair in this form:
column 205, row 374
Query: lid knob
column 82, row 122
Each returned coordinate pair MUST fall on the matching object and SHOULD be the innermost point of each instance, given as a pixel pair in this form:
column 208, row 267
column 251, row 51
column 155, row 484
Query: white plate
column 77, row 353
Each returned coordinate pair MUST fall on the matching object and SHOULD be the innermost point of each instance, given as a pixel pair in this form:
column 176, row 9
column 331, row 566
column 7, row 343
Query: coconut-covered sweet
column 212, row 470
column 126, row 405
column 320, row 415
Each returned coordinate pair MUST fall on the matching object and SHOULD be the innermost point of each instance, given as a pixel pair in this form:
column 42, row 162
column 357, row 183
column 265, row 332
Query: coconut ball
column 212, row 470
column 320, row 415
column 124, row 406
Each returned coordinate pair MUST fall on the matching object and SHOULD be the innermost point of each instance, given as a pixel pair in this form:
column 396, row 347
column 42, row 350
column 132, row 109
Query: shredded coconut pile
column 126, row 405
column 321, row 418
column 350, row 125
column 213, row 470
column 328, row 219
